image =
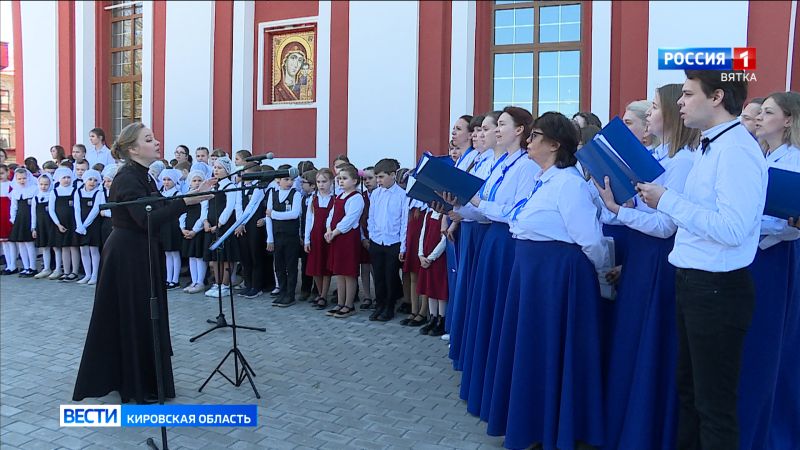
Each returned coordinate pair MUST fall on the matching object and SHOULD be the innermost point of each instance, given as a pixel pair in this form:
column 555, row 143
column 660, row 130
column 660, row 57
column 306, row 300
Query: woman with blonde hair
column 640, row 389
column 768, row 392
column 119, row 354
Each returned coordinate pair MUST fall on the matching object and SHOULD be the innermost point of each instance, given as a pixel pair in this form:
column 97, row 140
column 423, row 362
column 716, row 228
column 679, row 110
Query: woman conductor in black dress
column 118, row 354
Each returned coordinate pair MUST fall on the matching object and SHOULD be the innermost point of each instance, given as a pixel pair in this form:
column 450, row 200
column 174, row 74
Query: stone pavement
column 324, row 382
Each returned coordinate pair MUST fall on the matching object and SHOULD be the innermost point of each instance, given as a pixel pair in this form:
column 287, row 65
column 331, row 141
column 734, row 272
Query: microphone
column 271, row 174
column 269, row 155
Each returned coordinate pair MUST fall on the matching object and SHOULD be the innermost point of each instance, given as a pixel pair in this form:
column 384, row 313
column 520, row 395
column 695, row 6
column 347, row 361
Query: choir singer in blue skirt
column 548, row 380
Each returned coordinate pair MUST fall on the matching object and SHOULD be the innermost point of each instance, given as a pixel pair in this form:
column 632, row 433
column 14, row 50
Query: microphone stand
column 220, row 321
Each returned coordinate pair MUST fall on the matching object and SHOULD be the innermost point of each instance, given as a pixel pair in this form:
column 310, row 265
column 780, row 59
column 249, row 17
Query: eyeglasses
column 536, row 133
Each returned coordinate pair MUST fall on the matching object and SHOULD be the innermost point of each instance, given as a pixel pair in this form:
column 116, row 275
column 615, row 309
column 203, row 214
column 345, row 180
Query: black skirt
column 21, row 228
column 193, row 248
column 229, row 252
column 92, row 238
column 119, row 352
column 171, row 237
column 66, row 215
column 44, row 225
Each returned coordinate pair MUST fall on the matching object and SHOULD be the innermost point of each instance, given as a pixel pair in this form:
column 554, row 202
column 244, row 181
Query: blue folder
column 616, row 153
column 783, row 200
column 439, row 176
column 423, row 193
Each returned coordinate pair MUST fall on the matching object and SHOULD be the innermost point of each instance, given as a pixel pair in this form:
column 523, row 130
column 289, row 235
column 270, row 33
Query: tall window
column 126, row 64
column 536, row 55
column 5, row 100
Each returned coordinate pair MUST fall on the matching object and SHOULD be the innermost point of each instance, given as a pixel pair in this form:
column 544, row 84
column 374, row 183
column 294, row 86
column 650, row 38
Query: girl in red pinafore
column 344, row 236
column 432, row 281
column 416, row 215
column 9, row 248
column 366, row 262
column 314, row 239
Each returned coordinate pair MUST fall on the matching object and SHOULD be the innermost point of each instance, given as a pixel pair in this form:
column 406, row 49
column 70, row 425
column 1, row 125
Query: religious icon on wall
column 293, row 70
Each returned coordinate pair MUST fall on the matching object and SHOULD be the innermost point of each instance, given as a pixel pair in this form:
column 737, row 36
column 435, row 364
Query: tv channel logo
column 707, row 58
column 90, row 415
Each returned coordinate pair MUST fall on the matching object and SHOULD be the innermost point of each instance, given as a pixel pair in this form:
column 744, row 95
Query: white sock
column 45, row 258
column 169, row 267
column 176, row 266
column 76, row 258
column 10, row 251
column 433, row 308
column 95, row 254
column 86, row 259
column 193, row 270
column 23, row 254
column 57, row 251
column 442, row 307
column 202, row 268
column 67, row 260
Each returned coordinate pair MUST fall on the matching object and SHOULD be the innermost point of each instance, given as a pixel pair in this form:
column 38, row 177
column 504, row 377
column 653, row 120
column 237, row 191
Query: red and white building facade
column 391, row 77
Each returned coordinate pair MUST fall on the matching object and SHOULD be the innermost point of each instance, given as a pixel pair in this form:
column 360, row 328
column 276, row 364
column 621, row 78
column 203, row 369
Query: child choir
column 510, row 278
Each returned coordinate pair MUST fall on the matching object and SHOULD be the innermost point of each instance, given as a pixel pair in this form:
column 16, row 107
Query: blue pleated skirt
column 784, row 430
column 469, row 245
column 762, row 345
column 548, row 384
column 487, row 304
column 641, row 399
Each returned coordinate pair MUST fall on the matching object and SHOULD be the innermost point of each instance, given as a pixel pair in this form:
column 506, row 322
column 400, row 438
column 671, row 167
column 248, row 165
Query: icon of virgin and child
column 295, row 80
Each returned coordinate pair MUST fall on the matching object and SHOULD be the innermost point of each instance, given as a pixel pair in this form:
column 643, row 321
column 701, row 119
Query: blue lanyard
column 497, row 163
column 521, row 204
column 461, row 158
column 496, row 186
column 479, row 163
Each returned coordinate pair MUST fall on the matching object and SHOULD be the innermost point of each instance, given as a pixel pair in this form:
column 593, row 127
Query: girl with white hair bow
column 170, row 233
column 23, row 190
column 41, row 223
column 87, row 208
column 108, row 173
column 221, row 209
column 191, row 227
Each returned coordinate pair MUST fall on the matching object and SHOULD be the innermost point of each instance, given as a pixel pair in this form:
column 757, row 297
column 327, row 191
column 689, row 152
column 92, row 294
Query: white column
column 147, row 63
column 601, row 59
column 323, row 83
column 39, row 22
column 242, row 76
column 462, row 60
column 790, row 50
column 695, row 31
column 84, row 69
column 382, row 82
column 188, row 81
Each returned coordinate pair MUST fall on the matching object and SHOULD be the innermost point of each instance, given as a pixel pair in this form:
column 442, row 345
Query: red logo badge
column 744, row 58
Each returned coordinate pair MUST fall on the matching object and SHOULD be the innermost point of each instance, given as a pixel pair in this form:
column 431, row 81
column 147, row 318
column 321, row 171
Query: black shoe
column 376, row 312
column 429, row 326
column 171, row 286
column 418, row 321
column 286, row 301
column 27, row 273
column 243, row 292
column 386, row 315
column 9, row 272
column 277, row 300
column 253, row 293
column 439, row 329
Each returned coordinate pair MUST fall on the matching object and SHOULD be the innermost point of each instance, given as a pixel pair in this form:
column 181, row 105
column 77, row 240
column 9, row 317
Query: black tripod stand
column 220, row 321
column 246, row 372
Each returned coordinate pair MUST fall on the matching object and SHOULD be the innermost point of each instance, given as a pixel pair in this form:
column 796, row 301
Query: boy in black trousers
column 284, row 206
column 386, row 242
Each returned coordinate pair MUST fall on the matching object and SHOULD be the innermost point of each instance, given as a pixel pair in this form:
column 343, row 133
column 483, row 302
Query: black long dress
column 118, row 354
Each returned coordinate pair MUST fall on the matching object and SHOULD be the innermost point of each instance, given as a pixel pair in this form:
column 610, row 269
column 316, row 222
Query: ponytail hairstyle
column 99, row 133
column 120, row 150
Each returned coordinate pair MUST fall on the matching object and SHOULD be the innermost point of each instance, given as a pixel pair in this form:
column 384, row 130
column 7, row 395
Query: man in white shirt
column 385, row 243
column 718, row 217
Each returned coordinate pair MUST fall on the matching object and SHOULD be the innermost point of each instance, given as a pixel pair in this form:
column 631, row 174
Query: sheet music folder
column 783, row 200
column 438, row 176
column 616, row 153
